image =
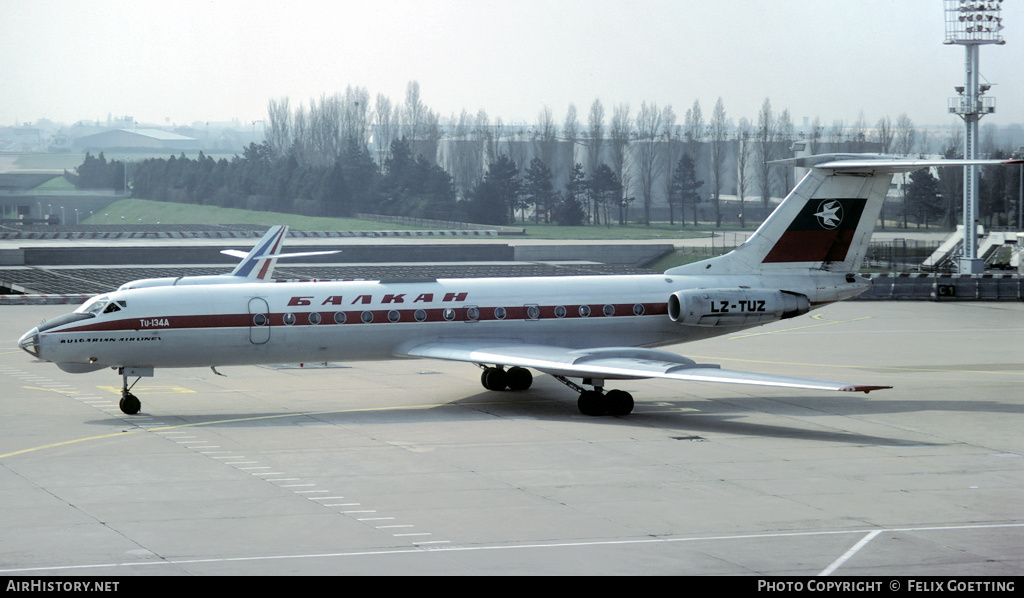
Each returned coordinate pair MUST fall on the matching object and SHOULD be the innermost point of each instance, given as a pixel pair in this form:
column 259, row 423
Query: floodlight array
column 974, row 21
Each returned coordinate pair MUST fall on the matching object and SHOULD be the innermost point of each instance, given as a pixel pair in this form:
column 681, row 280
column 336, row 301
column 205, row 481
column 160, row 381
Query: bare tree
column 817, row 134
column 464, row 155
column 693, row 129
column 693, row 134
column 671, row 150
column 906, row 139
column 784, row 148
column 834, row 136
column 618, row 138
column 280, row 131
column 355, row 116
column 951, row 179
column 906, row 135
column 595, row 138
column 718, row 131
column 858, row 134
column 414, row 113
column 384, row 129
column 300, row 135
column 484, row 135
column 571, row 133
column 431, row 135
column 766, row 139
column 649, row 129
column 545, row 136
column 325, row 130
column 885, row 134
column 743, row 151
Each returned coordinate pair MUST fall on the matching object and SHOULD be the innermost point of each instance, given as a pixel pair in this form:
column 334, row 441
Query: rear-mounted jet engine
column 734, row 307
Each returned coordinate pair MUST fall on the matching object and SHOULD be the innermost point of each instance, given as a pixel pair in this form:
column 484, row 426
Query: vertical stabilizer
column 826, row 222
column 259, row 263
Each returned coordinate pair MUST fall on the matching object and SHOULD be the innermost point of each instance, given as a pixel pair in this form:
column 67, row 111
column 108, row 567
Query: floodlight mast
column 972, row 23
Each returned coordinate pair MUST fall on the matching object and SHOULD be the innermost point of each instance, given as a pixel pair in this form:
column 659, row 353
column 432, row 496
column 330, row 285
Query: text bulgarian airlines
column 368, row 299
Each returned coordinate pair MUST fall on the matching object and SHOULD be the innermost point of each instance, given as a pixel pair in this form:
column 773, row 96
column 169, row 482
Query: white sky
column 180, row 61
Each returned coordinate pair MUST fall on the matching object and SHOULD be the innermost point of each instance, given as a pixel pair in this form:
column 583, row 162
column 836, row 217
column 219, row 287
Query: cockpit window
column 100, row 305
column 94, row 306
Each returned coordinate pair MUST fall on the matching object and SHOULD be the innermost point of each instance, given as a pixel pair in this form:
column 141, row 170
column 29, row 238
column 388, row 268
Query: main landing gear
column 499, row 379
column 591, row 402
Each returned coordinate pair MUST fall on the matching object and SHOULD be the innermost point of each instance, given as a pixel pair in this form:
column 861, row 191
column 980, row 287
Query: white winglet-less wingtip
column 588, row 328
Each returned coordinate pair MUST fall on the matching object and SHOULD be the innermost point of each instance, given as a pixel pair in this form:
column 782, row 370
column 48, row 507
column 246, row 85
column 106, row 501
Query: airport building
column 121, row 139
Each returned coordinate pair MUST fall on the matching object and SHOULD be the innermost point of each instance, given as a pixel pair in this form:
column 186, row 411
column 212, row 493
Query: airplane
column 593, row 329
column 256, row 266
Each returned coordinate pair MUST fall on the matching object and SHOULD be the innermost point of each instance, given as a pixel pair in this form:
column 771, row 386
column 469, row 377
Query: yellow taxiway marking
column 209, row 423
column 63, row 392
column 160, row 390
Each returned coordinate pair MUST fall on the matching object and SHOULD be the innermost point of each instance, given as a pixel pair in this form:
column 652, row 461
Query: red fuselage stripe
column 379, row 316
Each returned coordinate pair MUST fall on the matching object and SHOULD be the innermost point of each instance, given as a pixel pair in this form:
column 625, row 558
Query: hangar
column 120, row 139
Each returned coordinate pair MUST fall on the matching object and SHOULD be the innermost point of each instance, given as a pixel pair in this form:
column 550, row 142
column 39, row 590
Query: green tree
column 923, row 197
column 685, row 187
column 570, row 209
column 495, row 199
column 96, row 173
column 605, row 191
column 538, row 189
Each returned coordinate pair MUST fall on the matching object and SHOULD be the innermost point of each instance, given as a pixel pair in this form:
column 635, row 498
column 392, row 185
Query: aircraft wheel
column 619, row 402
column 129, row 404
column 494, row 379
column 592, row 402
column 519, row 378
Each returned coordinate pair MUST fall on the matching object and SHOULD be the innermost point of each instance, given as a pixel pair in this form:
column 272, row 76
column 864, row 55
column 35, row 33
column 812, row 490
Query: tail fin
column 259, row 263
column 826, row 222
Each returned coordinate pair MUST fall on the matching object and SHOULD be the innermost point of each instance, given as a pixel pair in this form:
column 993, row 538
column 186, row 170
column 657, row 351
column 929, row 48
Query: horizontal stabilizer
column 243, row 255
column 880, row 164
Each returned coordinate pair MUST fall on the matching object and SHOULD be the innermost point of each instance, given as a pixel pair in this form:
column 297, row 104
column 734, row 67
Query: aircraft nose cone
column 29, row 342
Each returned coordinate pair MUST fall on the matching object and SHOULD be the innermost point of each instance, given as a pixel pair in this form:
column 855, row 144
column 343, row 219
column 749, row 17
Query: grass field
column 151, row 212
column 165, row 212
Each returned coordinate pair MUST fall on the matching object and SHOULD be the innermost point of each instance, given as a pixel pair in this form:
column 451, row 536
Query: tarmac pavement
column 410, row 467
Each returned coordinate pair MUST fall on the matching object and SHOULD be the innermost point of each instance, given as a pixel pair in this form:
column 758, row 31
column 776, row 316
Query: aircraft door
column 259, row 321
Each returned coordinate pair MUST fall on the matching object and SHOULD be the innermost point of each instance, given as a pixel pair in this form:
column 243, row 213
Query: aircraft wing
column 612, row 363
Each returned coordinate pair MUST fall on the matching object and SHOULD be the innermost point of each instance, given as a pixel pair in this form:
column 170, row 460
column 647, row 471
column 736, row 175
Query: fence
column 945, row 287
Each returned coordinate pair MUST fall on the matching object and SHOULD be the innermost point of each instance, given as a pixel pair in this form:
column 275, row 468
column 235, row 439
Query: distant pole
column 971, row 23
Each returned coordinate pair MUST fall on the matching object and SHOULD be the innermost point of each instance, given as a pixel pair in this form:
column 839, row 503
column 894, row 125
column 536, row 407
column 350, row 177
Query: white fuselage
column 260, row 323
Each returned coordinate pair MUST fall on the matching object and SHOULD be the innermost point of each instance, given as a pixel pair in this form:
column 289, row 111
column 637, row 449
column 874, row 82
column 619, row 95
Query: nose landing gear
column 130, row 404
